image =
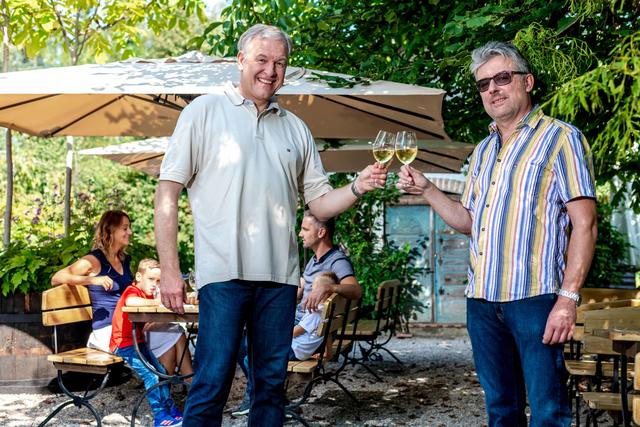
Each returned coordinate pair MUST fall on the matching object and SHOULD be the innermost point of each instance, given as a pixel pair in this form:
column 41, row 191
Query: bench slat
column 85, row 356
column 587, row 368
column 65, row 296
column 85, row 369
column 305, row 367
column 608, row 401
column 67, row 315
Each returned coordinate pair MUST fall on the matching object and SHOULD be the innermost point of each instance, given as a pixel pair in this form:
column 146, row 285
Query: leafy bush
column 608, row 265
column 25, row 269
column 375, row 260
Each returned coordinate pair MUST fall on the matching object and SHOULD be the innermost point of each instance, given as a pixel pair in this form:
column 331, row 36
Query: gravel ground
column 435, row 386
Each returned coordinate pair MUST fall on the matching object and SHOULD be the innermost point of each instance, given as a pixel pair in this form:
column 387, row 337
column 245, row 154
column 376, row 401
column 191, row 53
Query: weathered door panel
column 451, row 258
column 412, row 224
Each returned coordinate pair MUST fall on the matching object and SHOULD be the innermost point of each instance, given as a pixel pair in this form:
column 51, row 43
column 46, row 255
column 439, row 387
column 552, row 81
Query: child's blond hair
column 326, row 278
column 147, row 264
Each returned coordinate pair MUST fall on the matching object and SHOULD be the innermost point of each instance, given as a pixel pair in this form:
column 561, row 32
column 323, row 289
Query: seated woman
column 106, row 272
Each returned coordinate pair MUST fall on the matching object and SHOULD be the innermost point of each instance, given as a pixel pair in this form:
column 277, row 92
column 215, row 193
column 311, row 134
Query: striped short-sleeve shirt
column 516, row 193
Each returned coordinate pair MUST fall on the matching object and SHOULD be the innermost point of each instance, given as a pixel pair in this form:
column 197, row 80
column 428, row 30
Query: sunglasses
column 503, row 78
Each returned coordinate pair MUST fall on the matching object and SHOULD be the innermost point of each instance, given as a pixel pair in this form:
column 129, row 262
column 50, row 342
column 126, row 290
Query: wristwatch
column 574, row 296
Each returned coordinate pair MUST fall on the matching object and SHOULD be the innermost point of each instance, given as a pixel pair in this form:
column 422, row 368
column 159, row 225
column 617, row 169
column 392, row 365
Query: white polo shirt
column 243, row 173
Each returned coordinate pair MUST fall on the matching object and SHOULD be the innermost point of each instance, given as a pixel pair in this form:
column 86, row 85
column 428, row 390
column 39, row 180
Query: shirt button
column 499, row 160
column 482, row 229
column 487, row 205
column 493, row 183
column 480, row 254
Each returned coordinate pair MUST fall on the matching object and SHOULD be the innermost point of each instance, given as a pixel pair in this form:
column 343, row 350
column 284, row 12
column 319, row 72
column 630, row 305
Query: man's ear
column 528, row 82
column 138, row 277
column 240, row 58
column 322, row 232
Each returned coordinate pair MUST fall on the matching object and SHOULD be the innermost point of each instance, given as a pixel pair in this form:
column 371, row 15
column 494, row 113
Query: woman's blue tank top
column 103, row 303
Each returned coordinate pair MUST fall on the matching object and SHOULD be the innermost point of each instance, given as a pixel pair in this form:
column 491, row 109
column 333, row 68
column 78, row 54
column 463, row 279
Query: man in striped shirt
column 528, row 181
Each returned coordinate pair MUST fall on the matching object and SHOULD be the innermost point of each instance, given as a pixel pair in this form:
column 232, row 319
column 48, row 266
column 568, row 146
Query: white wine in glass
column 383, row 148
column 406, row 146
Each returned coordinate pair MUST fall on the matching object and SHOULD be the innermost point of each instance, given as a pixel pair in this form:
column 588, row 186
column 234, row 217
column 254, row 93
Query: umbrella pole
column 67, row 186
column 9, row 203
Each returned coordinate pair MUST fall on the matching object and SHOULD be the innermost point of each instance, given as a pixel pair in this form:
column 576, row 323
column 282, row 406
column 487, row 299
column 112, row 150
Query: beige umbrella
column 144, row 98
column 350, row 156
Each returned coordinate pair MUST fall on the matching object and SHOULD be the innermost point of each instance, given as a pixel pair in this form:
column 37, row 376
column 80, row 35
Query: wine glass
column 191, row 280
column 383, row 147
column 406, row 146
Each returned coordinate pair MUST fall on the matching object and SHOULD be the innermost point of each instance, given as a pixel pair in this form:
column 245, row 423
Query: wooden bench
column 368, row 332
column 591, row 368
column 69, row 304
column 597, row 324
column 610, row 298
column 338, row 314
column 612, row 401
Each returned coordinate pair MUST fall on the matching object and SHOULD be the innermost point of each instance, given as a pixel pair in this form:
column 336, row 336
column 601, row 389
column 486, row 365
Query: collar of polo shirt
column 237, row 99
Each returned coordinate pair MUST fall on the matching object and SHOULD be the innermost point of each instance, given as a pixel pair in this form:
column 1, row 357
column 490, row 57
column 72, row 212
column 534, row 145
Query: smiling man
column 244, row 160
column 528, row 181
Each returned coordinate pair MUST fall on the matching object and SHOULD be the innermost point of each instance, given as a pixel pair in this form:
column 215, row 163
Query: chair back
column 386, row 305
column 65, row 304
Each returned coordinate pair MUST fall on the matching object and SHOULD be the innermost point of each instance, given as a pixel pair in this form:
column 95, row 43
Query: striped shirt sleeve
column 573, row 168
column 468, row 197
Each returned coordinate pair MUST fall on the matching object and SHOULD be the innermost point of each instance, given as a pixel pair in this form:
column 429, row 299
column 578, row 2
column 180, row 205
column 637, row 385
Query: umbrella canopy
column 353, row 156
column 145, row 97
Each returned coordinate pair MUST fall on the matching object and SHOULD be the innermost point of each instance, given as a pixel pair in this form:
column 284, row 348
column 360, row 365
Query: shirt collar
column 531, row 119
column 237, row 99
column 329, row 252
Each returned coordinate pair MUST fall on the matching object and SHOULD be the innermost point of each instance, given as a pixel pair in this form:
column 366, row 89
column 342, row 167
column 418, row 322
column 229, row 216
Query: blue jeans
column 511, row 359
column 267, row 309
column 243, row 362
column 159, row 398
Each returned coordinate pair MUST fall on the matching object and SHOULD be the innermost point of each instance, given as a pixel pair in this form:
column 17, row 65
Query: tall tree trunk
column 8, row 212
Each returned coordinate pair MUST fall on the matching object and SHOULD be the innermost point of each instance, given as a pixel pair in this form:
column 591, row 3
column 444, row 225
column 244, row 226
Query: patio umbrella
column 145, row 97
column 351, row 156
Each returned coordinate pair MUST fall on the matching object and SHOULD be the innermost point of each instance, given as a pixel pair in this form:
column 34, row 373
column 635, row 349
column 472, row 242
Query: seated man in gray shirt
column 317, row 236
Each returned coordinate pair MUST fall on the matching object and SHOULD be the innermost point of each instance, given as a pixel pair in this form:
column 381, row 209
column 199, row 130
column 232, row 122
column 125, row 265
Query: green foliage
column 96, row 30
column 359, row 230
column 584, row 55
column 607, row 267
column 98, row 185
column 604, row 103
column 29, row 268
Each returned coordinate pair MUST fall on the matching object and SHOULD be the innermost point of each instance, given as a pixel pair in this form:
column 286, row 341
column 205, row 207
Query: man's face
column 309, row 233
column 262, row 66
column 149, row 281
column 509, row 102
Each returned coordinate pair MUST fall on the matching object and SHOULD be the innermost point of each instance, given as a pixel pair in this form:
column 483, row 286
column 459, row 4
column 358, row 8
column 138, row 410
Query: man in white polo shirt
column 244, row 161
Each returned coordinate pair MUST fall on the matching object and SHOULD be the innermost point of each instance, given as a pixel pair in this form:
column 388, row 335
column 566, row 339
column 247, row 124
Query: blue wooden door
column 451, row 259
column 443, row 260
column 412, row 224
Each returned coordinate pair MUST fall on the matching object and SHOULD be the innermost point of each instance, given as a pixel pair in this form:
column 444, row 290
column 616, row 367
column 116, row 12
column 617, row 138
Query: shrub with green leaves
column 29, row 268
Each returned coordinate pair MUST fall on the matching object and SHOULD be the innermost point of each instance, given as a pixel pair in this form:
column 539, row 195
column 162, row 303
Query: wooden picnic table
column 162, row 314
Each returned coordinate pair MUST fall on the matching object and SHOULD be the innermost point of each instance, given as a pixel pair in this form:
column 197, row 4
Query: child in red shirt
column 141, row 293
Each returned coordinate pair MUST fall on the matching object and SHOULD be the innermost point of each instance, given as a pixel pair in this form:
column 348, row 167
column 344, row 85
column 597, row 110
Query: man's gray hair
column 483, row 54
column 263, row 31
